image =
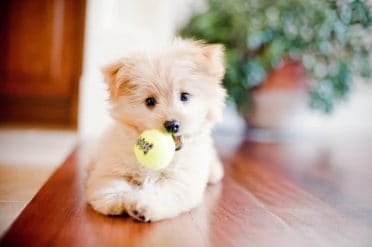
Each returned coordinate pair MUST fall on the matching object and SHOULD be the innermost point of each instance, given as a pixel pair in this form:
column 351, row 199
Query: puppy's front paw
column 108, row 204
column 109, row 199
column 145, row 208
column 139, row 212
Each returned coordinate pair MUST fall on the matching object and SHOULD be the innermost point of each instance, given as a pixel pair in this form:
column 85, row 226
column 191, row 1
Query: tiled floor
column 27, row 158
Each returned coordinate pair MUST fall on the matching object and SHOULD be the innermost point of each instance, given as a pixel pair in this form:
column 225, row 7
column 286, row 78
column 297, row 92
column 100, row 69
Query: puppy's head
column 178, row 89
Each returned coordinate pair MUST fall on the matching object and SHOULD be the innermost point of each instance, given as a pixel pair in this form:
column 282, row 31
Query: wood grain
column 296, row 193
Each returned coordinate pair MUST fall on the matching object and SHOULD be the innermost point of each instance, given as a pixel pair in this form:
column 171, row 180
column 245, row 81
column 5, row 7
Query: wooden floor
column 293, row 193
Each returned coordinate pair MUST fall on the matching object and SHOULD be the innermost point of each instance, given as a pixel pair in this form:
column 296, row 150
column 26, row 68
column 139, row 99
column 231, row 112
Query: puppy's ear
column 216, row 67
column 112, row 79
column 215, row 57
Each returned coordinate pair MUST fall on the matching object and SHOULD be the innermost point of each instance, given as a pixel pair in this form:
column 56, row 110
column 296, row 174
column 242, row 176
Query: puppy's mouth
column 178, row 141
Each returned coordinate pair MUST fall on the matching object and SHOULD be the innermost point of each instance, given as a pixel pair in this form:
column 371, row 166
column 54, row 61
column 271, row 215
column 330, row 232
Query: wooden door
column 41, row 58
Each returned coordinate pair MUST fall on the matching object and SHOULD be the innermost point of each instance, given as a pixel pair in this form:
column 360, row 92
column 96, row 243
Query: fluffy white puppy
column 178, row 89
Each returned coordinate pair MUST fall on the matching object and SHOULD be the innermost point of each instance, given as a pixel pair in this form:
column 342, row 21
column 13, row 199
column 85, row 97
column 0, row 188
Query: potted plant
column 331, row 40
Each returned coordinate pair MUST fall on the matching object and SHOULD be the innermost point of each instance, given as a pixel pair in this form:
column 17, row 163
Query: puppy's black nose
column 172, row 126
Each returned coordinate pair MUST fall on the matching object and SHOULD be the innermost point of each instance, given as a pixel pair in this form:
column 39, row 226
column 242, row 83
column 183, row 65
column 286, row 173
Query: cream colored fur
column 117, row 183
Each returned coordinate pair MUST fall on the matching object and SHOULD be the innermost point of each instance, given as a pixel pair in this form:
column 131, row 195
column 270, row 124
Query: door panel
column 42, row 43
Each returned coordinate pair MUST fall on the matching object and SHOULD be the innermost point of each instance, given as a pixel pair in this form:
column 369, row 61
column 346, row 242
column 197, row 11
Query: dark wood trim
column 37, row 111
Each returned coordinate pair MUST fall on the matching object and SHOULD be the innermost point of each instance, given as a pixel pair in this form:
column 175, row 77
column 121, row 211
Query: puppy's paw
column 139, row 212
column 143, row 207
column 110, row 198
column 108, row 204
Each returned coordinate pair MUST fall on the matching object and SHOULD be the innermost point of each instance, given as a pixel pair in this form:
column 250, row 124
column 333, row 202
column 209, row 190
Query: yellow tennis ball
column 154, row 149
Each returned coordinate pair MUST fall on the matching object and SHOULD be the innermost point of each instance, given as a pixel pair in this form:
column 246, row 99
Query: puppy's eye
column 184, row 97
column 150, row 102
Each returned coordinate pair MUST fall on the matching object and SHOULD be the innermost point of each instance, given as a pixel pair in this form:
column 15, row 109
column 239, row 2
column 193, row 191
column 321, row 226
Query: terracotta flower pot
column 277, row 99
